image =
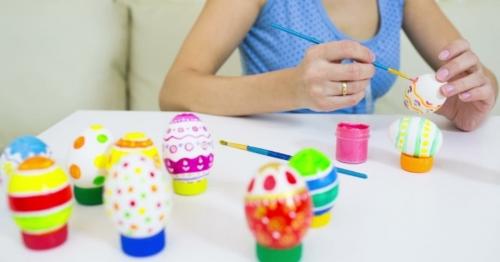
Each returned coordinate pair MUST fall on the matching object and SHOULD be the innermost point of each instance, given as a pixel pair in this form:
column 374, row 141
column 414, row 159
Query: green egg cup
column 266, row 254
column 89, row 196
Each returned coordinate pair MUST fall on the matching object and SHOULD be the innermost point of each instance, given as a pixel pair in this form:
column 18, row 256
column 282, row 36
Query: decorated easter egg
column 278, row 207
column 87, row 164
column 188, row 148
column 16, row 152
column 137, row 200
column 416, row 136
column 321, row 180
column 133, row 142
column 424, row 95
column 188, row 153
column 40, row 199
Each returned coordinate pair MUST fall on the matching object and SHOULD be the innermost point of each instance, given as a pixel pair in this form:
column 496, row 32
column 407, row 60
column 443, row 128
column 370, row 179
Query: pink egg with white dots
column 136, row 196
column 188, row 148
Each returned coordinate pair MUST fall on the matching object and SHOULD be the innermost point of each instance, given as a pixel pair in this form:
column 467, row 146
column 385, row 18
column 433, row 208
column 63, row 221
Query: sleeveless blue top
column 266, row 49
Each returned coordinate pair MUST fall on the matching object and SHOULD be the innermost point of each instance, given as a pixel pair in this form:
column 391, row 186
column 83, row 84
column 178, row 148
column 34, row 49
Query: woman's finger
column 456, row 66
column 463, row 84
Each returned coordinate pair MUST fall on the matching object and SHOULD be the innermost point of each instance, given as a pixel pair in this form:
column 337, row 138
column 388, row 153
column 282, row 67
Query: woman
column 284, row 73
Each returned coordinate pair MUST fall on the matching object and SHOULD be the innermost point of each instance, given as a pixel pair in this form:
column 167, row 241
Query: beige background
column 60, row 56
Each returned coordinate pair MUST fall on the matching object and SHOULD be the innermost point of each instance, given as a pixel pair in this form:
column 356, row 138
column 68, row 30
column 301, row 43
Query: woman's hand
column 322, row 75
column 470, row 93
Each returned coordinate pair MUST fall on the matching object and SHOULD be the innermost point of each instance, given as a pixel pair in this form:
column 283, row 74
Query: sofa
column 57, row 56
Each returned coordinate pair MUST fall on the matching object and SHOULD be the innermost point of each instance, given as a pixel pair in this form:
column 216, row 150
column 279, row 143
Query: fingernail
column 444, row 55
column 448, row 89
column 442, row 74
column 373, row 56
column 465, row 96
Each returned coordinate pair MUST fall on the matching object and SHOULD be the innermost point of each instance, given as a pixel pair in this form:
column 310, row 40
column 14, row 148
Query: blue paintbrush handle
column 268, row 153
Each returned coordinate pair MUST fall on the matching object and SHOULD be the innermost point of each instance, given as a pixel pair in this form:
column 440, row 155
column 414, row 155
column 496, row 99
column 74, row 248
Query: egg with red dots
column 136, row 196
column 87, row 157
column 188, row 148
column 278, row 206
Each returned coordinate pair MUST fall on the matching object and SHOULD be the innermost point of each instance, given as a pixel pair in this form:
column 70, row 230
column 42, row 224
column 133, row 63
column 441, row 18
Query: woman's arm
column 472, row 88
column 191, row 83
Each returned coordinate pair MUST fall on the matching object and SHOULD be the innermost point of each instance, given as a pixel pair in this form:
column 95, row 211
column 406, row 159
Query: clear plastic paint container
column 352, row 142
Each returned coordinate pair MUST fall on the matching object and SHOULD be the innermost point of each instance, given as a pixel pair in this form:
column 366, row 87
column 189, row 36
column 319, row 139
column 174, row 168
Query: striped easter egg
column 416, row 136
column 133, row 142
column 321, row 179
column 40, row 196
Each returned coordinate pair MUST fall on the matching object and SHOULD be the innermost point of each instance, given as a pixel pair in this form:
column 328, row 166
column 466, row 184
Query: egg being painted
column 16, row 152
column 278, row 207
column 416, row 136
column 87, row 157
column 188, row 148
column 424, row 95
column 136, row 196
column 133, row 142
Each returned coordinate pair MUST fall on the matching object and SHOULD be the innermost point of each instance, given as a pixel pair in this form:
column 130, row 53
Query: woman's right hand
column 322, row 74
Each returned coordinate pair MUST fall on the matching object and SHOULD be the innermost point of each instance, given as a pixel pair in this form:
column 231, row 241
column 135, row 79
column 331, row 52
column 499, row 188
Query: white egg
column 424, row 95
column 416, row 136
column 188, row 148
column 136, row 196
column 87, row 157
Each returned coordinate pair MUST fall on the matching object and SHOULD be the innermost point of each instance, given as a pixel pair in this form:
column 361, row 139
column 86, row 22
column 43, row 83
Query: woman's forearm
column 188, row 90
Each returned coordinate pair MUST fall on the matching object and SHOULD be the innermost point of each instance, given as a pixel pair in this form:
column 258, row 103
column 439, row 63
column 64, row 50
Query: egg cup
column 88, row 196
column 143, row 247
column 416, row 164
column 266, row 254
column 190, row 188
column 46, row 240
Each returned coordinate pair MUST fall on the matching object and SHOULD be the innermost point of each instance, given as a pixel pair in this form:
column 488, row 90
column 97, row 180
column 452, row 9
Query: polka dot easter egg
column 40, row 199
column 16, row 152
column 87, row 164
column 279, row 211
column 424, row 95
column 321, row 180
column 188, row 153
column 133, row 142
column 419, row 140
column 137, row 200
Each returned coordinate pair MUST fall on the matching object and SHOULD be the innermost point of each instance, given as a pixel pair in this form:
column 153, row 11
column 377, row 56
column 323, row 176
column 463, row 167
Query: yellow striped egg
column 416, row 136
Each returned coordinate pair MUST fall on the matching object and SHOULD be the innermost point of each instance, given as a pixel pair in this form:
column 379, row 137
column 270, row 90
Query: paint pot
column 352, row 142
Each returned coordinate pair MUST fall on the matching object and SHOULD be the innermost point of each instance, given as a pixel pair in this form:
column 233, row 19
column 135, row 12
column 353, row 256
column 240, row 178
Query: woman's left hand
column 470, row 93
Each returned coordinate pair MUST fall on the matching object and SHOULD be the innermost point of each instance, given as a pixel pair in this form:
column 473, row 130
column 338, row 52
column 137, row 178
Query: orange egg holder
column 418, row 165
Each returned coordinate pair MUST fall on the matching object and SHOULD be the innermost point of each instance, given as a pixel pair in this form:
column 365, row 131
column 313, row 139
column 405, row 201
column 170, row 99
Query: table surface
column 449, row 214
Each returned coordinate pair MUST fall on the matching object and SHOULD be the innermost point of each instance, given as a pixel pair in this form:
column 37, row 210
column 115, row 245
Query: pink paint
column 352, row 142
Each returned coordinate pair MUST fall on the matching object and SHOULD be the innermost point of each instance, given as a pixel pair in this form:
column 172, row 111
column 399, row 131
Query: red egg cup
column 46, row 240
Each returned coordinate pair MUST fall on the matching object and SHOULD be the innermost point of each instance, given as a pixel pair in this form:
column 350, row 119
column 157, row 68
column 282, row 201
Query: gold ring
column 344, row 88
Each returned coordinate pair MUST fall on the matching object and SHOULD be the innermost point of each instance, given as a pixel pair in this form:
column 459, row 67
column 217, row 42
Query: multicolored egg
column 133, row 142
column 424, row 95
column 16, row 152
column 279, row 211
column 321, row 178
column 40, row 199
column 87, row 164
column 419, row 140
column 137, row 199
column 188, row 153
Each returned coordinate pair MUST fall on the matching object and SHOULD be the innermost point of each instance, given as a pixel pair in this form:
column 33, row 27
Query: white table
column 449, row 214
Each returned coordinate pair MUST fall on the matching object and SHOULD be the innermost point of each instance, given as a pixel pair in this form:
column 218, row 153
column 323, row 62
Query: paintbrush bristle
column 223, row 142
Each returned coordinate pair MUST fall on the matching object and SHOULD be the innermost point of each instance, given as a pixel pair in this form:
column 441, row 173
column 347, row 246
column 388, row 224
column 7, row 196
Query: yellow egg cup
column 190, row 188
column 416, row 165
column 321, row 220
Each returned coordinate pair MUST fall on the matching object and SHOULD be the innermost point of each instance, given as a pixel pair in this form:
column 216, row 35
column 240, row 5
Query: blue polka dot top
column 266, row 49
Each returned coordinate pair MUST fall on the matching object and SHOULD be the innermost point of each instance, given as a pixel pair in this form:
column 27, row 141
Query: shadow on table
column 92, row 222
column 468, row 171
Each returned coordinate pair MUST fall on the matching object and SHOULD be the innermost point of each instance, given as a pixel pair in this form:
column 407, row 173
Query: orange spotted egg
column 87, row 157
